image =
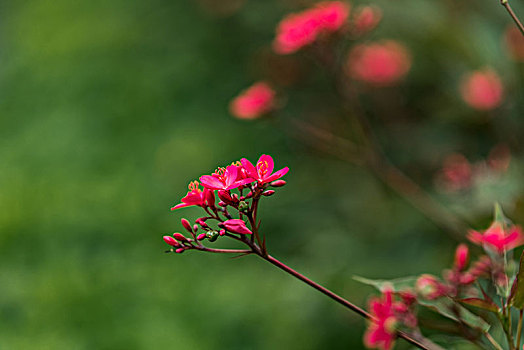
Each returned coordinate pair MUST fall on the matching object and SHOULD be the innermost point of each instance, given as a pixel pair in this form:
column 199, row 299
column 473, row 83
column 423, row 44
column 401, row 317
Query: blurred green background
column 109, row 108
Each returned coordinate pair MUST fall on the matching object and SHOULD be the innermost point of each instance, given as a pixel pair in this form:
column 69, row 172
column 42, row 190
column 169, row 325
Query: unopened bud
column 201, row 222
column 222, row 204
column 180, row 250
column 249, row 194
column 212, row 235
column 278, row 183
column 242, row 206
column 210, row 198
column 429, row 287
column 186, row 225
column 171, row 241
column 222, row 232
column 201, row 236
column 180, row 237
column 461, row 257
column 268, row 193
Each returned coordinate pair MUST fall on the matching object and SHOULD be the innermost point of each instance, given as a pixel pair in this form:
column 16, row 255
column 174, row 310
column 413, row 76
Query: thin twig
column 508, row 8
column 519, row 328
column 338, row 298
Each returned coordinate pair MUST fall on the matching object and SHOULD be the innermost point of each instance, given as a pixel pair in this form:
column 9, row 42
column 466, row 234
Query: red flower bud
column 186, row 225
column 429, row 287
column 461, row 257
column 210, row 198
column 201, row 236
column 180, row 250
column 268, row 193
column 171, row 241
column 222, row 232
column 278, row 183
column 225, row 197
column 236, row 226
column 179, row 237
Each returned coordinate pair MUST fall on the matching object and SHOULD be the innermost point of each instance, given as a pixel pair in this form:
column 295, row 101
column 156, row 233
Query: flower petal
column 277, row 175
column 249, row 168
column 211, row 182
column 267, row 161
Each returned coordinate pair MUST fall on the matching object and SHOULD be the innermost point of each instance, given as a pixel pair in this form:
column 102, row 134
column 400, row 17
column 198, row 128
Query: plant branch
column 508, row 8
column 493, row 341
column 519, row 328
column 339, row 299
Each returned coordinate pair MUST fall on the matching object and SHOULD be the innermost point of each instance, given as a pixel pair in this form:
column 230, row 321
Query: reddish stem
column 337, row 298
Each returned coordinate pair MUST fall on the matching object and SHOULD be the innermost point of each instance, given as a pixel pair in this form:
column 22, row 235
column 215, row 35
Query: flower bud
column 212, row 235
column 222, row 232
column 243, row 206
column 222, row 204
column 179, row 237
column 186, row 225
column 236, row 226
column 268, row 193
column 202, row 222
column 429, row 287
column 461, row 257
column 171, row 241
column 225, row 197
column 278, row 183
column 201, row 236
column 180, row 250
column 210, row 198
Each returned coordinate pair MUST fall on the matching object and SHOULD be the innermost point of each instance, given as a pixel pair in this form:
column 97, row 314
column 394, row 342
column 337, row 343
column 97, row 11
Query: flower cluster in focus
column 239, row 187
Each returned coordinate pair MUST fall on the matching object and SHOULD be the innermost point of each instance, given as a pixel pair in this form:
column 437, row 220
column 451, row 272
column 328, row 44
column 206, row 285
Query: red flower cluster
column 387, row 315
column 241, row 176
column 300, row 29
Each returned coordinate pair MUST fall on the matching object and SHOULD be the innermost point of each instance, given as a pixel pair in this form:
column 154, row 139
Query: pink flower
column 223, row 179
column 514, row 43
column 366, row 19
column 263, row 173
column 331, row 14
column 196, row 196
column 300, row 29
column 236, row 226
column 456, row 173
column 461, row 257
column 482, row 89
column 380, row 64
column 257, row 100
column 381, row 332
column 496, row 237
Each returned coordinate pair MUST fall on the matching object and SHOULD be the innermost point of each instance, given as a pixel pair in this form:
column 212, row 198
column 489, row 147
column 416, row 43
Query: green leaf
column 517, row 290
column 396, row 285
column 447, row 307
column 480, row 303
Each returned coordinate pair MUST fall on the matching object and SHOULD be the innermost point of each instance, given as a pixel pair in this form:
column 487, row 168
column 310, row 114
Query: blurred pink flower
column 496, row 237
column 381, row 332
column 429, row 287
column 300, row 29
column 456, row 173
column 263, row 172
column 514, row 43
column 253, row 102
column 482, row 89
column 461, row 257
column 366, row 18
column 381, row 63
